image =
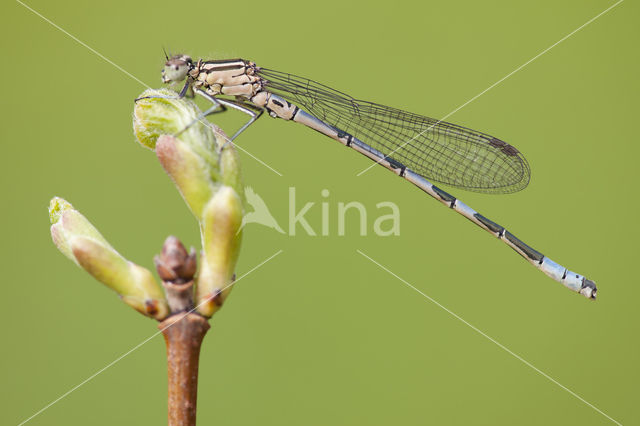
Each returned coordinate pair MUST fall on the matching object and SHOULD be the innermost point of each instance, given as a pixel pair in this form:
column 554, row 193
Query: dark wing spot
column 503, row 146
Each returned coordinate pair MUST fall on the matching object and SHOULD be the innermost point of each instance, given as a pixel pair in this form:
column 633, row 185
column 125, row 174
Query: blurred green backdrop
column 321, row 335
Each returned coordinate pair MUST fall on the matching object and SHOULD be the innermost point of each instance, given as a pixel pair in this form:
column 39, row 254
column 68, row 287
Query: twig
column 183, row 331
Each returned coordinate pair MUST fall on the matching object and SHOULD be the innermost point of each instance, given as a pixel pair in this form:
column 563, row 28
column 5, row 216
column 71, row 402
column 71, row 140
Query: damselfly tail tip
column 588, row 289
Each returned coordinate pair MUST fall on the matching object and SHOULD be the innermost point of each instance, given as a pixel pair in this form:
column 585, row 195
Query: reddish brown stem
column 183, row 334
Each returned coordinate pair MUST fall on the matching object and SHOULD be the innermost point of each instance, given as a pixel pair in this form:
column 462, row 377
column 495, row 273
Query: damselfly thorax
column 415, row 147
column 234, row 77
column 239, row 78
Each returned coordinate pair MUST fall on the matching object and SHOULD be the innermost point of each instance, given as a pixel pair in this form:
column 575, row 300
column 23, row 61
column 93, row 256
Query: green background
column 321, row 335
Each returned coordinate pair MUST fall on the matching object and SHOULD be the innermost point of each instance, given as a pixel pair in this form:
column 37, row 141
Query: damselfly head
column 176, row 68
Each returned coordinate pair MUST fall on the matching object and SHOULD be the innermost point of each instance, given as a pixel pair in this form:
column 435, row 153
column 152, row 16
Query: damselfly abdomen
column 417, row 148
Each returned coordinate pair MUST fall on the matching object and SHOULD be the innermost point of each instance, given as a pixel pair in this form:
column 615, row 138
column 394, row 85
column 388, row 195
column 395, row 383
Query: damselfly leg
column 253, row 111
column 219, row 105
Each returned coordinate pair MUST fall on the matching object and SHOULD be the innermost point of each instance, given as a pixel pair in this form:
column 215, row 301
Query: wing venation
column 441, row 152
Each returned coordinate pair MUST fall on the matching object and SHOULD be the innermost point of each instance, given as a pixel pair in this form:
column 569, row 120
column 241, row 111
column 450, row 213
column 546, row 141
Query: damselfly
column 416, row 148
